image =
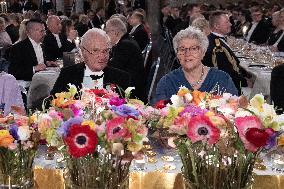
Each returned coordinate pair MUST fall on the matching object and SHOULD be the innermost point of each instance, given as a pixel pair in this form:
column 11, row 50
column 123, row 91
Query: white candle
column 77, row 42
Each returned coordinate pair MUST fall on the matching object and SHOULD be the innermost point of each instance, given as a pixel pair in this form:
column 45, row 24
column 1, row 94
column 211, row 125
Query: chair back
column 152, row 81
column 146, row 52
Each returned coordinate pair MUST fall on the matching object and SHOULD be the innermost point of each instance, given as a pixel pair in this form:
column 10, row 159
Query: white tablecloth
column 262, row 78
column 41, row 85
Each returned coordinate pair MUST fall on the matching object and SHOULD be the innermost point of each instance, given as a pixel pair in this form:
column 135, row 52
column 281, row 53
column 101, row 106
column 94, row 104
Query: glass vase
column 207, row 167
column 16, row 169
column 99, row 171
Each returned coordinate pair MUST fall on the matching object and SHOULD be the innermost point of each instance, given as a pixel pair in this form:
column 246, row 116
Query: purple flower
column 76, row 111
column 272, row 141
column 116, row 101
column 193, row 110
column 14, row 131
column 125, row 111
column 63, row 130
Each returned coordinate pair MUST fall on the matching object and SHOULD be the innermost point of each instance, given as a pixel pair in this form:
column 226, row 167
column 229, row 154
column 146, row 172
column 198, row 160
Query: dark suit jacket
column 141, row 36
column 276, row 87
column 261, row 33
column 75, row 74
column 51, row 49
column 81, row 29
column 223, row 62
column 97, row 22
column 273, row 38
column 13, row 32
column 22, row 59
column 126, row 55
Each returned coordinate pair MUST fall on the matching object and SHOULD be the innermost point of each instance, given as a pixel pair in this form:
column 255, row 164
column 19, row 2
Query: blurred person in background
column 202, row 24
column 82, row 27
column 276, row 38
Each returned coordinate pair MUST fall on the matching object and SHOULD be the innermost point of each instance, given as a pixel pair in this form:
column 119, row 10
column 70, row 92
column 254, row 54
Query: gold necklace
column 200, row 79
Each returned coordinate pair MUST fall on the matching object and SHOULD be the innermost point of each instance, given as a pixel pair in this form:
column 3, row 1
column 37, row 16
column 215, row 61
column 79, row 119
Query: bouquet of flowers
column 18, row 144
column 218, row 137
column 95, row 137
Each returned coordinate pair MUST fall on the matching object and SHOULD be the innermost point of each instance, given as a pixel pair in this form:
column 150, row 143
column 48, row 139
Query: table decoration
column 96, row 135
column 219, row 137
column 19, row 139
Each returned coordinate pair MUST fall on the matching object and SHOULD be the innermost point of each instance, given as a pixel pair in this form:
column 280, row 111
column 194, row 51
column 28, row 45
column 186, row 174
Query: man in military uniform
column 219, row 54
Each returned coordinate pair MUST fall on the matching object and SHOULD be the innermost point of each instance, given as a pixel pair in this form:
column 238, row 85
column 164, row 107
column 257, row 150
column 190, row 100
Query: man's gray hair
column 191, row 33
column 117, row 24
column 92, row 35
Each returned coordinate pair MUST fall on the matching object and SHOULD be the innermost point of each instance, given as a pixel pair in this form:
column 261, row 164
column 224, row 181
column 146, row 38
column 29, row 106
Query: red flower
column 115, row 129
column 243, row 124
column 257, row 137
column 201, row 128
column 161, row 104
column 81, row 140
column 98, row 92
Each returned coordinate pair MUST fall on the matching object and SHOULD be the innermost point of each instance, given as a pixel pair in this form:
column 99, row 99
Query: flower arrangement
column 218, row 137
column 95, row 133
column 18, row 144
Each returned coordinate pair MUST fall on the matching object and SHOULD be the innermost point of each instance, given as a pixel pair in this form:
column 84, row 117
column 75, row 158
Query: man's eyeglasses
column 98, row 51
column 193, row 50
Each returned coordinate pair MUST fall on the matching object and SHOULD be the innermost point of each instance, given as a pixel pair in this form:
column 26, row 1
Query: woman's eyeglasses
column 193, row 50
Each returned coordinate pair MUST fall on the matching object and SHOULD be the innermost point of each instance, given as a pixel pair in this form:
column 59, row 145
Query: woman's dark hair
column 66, row 23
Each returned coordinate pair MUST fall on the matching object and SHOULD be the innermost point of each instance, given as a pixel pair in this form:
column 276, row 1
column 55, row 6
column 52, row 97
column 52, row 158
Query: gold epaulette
column 220, row 48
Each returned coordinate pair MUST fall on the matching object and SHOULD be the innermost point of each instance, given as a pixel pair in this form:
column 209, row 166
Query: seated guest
column 26, row 57
column 22, row 31
column 276, row 87
column 54, row 44
column 5, row 40
column 190, row 46
column 126, row 55
column 260, row 28
column 276, row 38
column 219, row 54
column 94, row 72
column 12, row 27
column 138, row 31
column 96, row 20
column 243, row 25
column 67, row 31
column 202, row 24
column 82, row 26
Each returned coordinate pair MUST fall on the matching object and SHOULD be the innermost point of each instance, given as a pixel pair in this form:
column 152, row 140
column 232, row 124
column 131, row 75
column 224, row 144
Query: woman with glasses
column 190, row 46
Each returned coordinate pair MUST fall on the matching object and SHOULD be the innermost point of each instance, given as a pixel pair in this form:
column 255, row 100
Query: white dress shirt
column 38, row 51
column 57, row 40
column 254, row 24
column 40, row 60
column 91, row 84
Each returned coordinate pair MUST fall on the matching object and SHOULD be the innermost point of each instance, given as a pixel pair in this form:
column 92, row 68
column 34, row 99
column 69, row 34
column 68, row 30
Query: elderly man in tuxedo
column 54, row 43
column 126, row 55
column 94, row 72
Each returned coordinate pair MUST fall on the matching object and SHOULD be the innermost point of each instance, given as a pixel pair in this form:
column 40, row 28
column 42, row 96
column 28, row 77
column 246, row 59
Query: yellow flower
column 5, row 138
column 33, row 118
column 209, row 113
column 4, row 133
column 183, row 91
column 134, row 147
column 89, row 123
column 281, row 141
